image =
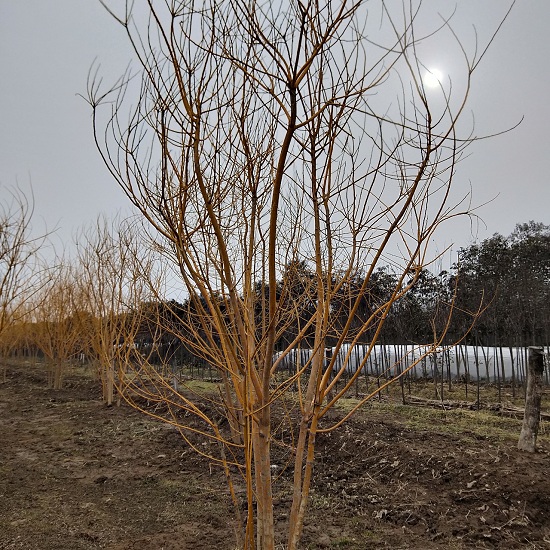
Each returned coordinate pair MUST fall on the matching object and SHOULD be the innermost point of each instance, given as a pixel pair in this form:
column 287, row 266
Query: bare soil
column 75, row 474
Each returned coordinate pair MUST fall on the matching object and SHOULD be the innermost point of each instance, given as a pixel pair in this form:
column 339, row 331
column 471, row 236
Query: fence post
column 529, row 430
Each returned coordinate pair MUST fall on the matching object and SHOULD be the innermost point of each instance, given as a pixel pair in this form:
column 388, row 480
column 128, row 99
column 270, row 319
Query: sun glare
column 433, row 78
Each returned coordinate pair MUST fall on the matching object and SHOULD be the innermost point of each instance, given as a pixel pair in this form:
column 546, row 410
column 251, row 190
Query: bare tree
column 267, row 135
column 57, row 322
column 20, row 270
column 11, row 341
column 111, row 260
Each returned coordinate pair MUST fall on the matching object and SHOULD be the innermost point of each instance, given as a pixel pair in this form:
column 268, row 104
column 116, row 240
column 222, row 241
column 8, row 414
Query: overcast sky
column 47, row 47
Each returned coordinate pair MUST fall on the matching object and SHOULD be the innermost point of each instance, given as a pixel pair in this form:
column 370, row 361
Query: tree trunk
column 513, row 372
column 529, row 430
column 110, row 379
column 265, row 532
column 58, row 375
column 301, row 494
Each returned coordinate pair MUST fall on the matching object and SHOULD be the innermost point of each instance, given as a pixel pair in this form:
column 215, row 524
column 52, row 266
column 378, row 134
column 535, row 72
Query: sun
column 433, row 78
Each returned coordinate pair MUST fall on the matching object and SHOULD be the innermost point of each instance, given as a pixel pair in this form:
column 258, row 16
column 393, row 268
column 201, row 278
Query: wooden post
column 529, row 430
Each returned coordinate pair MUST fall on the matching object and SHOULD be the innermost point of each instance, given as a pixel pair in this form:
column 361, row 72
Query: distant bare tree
column 57, row 323
column 112, row 263
column 266, row 135
column 21, row 273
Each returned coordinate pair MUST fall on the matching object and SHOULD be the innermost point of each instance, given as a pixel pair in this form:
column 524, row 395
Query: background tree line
column 508, row 278
column 101, row 301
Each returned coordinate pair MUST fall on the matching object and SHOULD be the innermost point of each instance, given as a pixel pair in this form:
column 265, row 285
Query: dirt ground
column 75, row 474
